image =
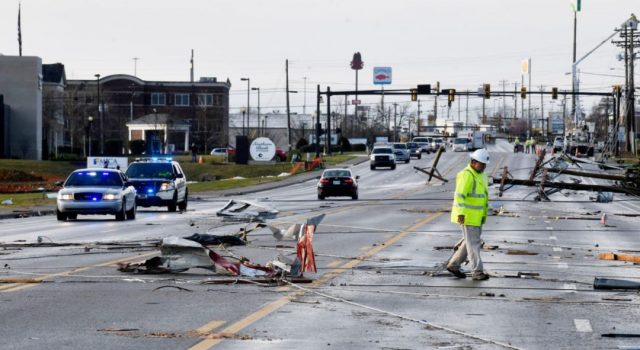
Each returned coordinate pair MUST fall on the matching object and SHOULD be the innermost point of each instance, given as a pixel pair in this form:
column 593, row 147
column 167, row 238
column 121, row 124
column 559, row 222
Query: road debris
column 240, row 210
column 433, row 170
column 611, row 283
column 621, row 257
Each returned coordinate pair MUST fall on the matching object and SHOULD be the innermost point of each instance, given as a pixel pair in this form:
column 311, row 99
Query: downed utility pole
column 433, row 171
column 506, row 179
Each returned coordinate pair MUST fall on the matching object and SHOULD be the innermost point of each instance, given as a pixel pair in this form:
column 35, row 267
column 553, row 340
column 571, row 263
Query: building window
column 158, row 99
column 205, row 100
column 182, row 99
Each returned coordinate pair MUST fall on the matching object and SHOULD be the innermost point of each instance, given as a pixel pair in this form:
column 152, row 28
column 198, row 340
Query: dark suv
column 159, row 182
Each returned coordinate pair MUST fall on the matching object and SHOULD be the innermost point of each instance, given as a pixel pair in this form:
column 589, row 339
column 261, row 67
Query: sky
column 460, row 43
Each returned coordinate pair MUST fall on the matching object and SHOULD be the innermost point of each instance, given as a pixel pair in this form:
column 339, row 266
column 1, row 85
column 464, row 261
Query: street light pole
column 258, row 89
column 248, row 101
column 100, row 114
column 89, row 133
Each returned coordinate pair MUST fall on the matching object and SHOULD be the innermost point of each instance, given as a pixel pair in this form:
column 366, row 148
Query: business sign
column 108, row 162
column 262, row 149
column 381, row 75
column 355, row 102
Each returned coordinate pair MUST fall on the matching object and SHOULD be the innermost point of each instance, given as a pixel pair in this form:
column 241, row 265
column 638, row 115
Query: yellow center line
column 210, row 326
column 334, row 263
column 19, row 286
column 275, row 305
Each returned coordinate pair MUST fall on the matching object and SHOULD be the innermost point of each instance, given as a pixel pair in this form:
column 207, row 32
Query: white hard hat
column 481, row 155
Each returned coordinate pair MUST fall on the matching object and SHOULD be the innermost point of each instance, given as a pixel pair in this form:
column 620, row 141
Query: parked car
column 159, row 182
column 337, row 182
column 461, row 144
column 281, row 155
column 96, row 191
column 382, row 156
column 402, row 152
column 222, row 151
column 414, row 150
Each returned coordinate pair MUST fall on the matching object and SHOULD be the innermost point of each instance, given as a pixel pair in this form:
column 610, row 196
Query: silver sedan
column 96, row 191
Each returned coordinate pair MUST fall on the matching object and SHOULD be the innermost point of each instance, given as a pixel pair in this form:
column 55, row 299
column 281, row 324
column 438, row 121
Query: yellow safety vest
column 471, row 198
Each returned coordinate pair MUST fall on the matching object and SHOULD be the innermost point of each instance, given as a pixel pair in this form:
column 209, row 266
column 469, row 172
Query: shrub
column 113, row 147
column 358, row 147
column 137, row 147
column 301, row 143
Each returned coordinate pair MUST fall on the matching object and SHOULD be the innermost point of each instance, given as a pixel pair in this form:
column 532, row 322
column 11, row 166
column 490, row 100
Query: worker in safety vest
column 516, row 143
column 532, row 145
column 470, row 204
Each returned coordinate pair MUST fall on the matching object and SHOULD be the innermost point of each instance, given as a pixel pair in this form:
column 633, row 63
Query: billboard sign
column 262, row 149
column 382, row 75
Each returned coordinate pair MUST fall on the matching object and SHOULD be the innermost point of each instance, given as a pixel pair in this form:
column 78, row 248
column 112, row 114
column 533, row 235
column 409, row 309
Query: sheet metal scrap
column 296, row 230
column 239, row 210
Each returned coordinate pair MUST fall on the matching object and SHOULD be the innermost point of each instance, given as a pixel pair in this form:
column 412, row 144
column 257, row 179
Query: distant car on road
column 402, row 152
column 96, row 191
column 159, row 182
column 461, row 144
column 558, row 143
column 382, row 156
column 438, row 143
column 338, row 182
column 424, row 143
column 414, row 150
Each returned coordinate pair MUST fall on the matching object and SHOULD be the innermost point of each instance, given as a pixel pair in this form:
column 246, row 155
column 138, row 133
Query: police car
column 159, row 182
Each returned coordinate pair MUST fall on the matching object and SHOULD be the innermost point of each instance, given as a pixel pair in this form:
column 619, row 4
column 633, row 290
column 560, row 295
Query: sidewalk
column 49, row 209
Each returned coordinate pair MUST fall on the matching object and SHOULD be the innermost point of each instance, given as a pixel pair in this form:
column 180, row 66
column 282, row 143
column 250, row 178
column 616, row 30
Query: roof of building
column 157, row 118
column 54, row 73
column 213, row 82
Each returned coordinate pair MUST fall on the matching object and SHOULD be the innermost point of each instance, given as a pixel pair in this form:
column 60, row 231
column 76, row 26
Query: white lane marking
column 563, row 266
column 553, row 237
column 557, row 249
column 570, row 286
column 583, row 325
column 555, row 257
column 547, row 222
column 549, row 228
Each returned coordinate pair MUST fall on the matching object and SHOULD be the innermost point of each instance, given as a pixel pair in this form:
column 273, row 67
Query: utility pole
column 304, row 105
column 515, row 100
column 418, row 123
column 466, row 120
column 328, row 133
column 504, row 100
column 288, row 109
column 573, row 85
column 395, row 126
column 318, row 126
column 542, row 127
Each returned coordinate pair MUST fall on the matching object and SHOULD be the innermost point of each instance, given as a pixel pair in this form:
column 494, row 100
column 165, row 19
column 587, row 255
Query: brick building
column 202, row 105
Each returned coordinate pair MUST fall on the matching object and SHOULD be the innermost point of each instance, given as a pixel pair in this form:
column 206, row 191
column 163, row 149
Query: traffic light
column 617, row 91
column 424, row 89
column 414, row 94
column 451, row 96
column 523, row 92
column 487, row 90
column 554, row 93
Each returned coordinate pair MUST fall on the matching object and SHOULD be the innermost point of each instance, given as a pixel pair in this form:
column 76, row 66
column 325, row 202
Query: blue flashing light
column 94, row 199
column 105, row 174
column 149, row 190
column 154, row 159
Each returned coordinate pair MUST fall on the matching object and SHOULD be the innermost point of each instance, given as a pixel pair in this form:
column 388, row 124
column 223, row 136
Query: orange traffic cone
column 200, row 160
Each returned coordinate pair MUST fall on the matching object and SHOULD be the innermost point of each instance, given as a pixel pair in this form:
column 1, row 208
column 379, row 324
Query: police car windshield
column 94, row 179
column 150, row 171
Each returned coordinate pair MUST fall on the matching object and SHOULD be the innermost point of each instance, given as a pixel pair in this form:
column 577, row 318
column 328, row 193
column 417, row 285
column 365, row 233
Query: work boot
column 456, row 272
column 479, row 276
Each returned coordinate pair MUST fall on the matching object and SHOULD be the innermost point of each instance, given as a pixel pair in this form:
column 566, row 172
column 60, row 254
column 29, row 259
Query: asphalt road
column 374, row 287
